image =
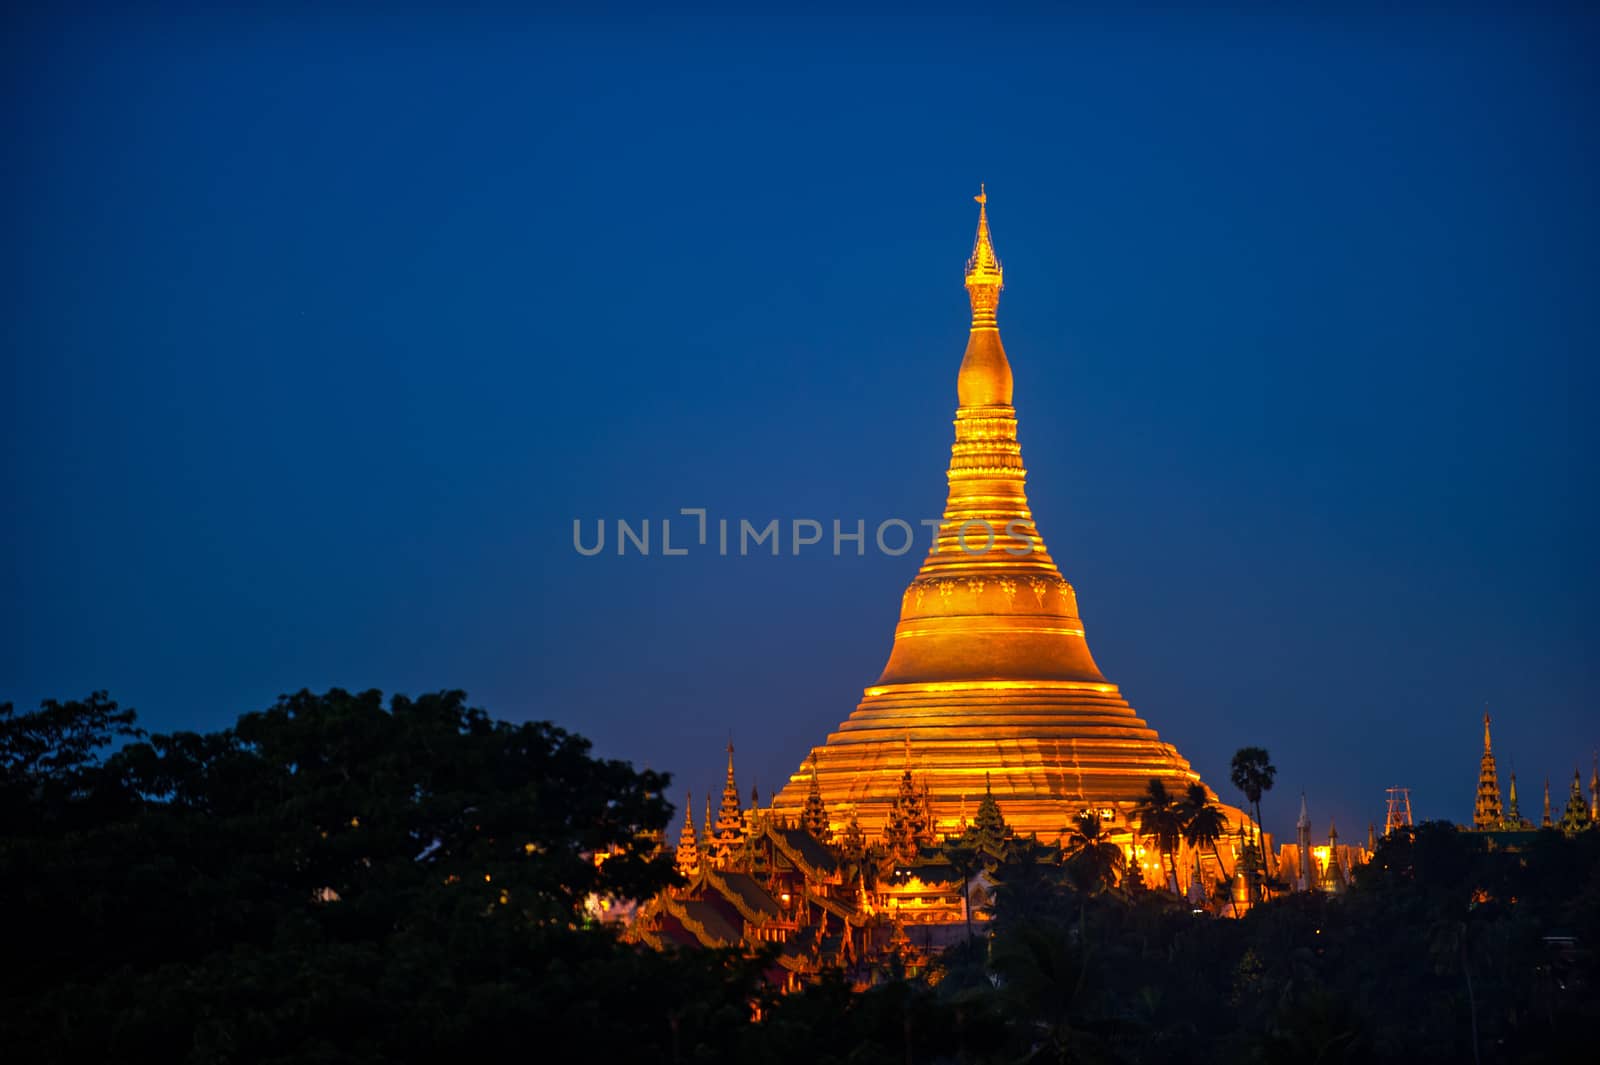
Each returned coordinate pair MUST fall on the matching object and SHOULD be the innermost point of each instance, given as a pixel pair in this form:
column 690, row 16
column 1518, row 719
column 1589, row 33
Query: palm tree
column 1025, row 880
column 1041, row 974
column 1086, row 843
column 963, row 858
column 1093, row 862
column 1203, row 824
column 1253, row 772
column 1159, row 821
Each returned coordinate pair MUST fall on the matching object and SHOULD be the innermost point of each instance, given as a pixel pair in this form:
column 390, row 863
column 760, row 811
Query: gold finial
column 985, row 378
column 985, row 278
column 983, row 268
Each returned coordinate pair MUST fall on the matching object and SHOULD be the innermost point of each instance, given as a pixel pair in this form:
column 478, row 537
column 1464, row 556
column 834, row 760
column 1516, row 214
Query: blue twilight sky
column 321, row 330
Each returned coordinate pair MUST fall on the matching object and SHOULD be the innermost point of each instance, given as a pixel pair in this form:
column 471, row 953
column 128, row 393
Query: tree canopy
column 332, row 873
column 345, row 879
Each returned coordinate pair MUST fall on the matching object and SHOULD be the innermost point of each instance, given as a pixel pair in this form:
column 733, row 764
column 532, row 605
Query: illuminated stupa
column 990, row 683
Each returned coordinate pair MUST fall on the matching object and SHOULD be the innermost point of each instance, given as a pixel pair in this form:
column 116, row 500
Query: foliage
column 1095, row 864
column 49, row 760
column 339, row 880
column 331, row 878
column 1204, row 824
column 1252, row 773
column 1161, row 821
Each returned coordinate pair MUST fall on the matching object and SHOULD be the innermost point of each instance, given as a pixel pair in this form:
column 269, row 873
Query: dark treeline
column 336, row 879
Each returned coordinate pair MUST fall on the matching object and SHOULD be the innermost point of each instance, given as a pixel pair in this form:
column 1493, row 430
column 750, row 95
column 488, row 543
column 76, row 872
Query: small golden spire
column 984, row 274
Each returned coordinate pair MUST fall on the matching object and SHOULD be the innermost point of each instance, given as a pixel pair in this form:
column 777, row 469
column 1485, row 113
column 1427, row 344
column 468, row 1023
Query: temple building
column 1508, row 824
column 783, row 887
column 1328, row 867
column 990, row 702
column 990, row 685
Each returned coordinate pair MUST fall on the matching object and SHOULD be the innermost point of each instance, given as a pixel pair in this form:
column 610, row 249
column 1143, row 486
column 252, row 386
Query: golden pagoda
column 990, row 678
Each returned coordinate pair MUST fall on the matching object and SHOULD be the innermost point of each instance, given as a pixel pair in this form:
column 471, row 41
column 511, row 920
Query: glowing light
column 990, row 675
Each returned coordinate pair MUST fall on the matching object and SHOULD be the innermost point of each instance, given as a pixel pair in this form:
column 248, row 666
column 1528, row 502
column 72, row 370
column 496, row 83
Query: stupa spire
column 814, row 818
column 730, row 819
column 688, row 845
column 984, row 273
column 985, row 378
column 1333, row 875
column 1594, row 789
column 1576, row 818
column 1302, row 837
column 1486, row 813
column 990, row 674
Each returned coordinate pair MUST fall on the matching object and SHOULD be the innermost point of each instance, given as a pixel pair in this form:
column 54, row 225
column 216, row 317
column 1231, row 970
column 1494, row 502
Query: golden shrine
column 990, row 683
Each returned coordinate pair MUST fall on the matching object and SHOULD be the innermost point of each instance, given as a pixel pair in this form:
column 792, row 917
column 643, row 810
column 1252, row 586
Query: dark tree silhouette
column 1160, row 821
column 1253, row 773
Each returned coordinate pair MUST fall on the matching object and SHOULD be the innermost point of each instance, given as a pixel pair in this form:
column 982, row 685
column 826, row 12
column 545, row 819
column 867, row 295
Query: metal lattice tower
column 1399, row 815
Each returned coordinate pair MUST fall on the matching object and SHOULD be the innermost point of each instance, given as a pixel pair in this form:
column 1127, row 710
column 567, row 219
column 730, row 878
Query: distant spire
column 1334, row 873
column 730, row 820
column 1372, row 837
column 1302, row 841
column 1546, row 823
column 1594, row 789
column 1486, row 813
column 753, row 815
column 1513, row 812
column 814, row 816
column 1576, row 818
column 688, row 846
